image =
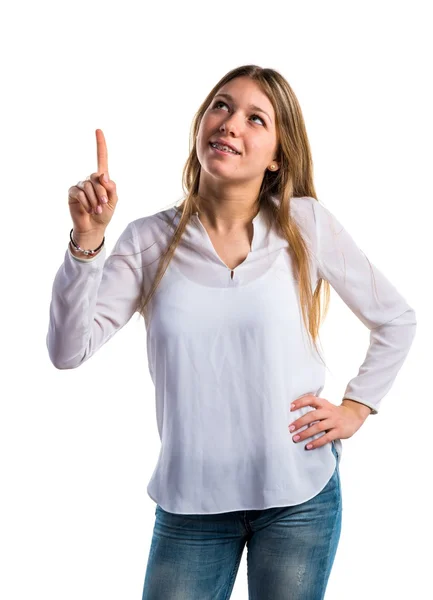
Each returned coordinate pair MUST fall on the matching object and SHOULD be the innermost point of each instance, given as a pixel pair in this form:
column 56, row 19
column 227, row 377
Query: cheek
column 203, row 136
column 201, row 147
column 257, row 155
column 207, row 125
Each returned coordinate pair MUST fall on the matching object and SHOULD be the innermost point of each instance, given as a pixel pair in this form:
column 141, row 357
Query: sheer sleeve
column 92, row 300
column 372, row 298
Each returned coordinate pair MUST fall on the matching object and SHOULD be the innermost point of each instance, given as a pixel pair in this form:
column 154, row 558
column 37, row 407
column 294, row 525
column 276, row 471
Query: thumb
column 109, row 185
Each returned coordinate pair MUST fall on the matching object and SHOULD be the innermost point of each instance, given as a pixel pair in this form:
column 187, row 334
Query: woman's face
column 251, row 131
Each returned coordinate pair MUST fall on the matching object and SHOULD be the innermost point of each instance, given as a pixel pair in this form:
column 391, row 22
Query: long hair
column 293, row 179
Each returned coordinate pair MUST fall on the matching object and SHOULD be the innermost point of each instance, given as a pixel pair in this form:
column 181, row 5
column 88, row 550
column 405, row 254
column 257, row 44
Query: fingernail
column 104, row 199
column 291, row 428
column 105, row 178
column 99, row 209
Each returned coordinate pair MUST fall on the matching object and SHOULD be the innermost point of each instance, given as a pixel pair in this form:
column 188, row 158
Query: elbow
column 63, row 362
column 61, row 357
column 63, row 365
column 411, row 318
column 407, row 318
column 409, row 322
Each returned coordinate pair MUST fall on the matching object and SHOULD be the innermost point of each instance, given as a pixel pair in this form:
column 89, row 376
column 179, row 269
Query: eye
column 221, row 102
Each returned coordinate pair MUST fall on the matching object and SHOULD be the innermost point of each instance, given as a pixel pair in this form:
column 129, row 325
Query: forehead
column 246, row 91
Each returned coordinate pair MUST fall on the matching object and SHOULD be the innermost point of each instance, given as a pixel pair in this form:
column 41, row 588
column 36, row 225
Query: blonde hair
column 293, row 179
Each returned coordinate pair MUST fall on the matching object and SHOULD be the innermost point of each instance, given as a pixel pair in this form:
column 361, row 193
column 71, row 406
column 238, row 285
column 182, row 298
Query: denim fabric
column 290, row 550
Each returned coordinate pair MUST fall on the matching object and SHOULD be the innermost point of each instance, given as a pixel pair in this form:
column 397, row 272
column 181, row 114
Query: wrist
column 87, row 244
column 362, row 410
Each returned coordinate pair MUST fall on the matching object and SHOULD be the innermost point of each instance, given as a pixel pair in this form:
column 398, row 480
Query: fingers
column 89, row 194
column 102, row 189
column 310, row 419
column 81, row 192
column 109, row 188
column 102, row 154
column 91, row 197
column 93, row 193
column 312, row 431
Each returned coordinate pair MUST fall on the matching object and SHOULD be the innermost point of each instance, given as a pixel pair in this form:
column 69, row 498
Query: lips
column 224, row 143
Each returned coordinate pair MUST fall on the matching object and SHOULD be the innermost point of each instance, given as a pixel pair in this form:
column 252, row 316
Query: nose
column 233, row 124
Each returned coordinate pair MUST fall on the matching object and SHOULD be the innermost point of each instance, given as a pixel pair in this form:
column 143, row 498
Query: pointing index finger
column 101, row 149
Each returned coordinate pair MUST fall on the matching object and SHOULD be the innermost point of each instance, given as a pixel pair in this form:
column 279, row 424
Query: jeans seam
column 335, row 523
column 233, row 576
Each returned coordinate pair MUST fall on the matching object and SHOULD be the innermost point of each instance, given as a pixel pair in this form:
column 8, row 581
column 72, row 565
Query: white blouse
column 228, row 352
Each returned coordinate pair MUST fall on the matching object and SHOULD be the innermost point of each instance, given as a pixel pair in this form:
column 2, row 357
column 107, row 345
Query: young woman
column 229, row 285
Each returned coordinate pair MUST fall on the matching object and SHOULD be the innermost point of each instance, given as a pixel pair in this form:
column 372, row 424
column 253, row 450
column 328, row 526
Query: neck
column 227, row 214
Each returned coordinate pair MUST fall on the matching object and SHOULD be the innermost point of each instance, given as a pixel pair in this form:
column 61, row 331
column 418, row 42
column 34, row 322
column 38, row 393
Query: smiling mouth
column 223, row 151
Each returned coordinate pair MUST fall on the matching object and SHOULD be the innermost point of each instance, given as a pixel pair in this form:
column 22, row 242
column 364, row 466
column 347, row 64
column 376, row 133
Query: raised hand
column 92, row 201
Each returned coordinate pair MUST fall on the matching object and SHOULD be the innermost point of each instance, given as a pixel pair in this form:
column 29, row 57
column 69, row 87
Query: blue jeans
column 290, row 554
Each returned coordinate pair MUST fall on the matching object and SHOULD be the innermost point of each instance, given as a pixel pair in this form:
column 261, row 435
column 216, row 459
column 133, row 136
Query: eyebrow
column 252, row 106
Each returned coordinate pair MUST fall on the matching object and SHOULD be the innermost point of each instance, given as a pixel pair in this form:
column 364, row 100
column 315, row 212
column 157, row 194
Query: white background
column 78, row 447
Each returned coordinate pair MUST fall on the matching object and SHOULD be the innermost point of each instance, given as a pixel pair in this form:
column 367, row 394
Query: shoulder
column 313, row 216
column 151, row 231
column 156, row 223
column 318, row 225
column 303, row 211
column 304, row 207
